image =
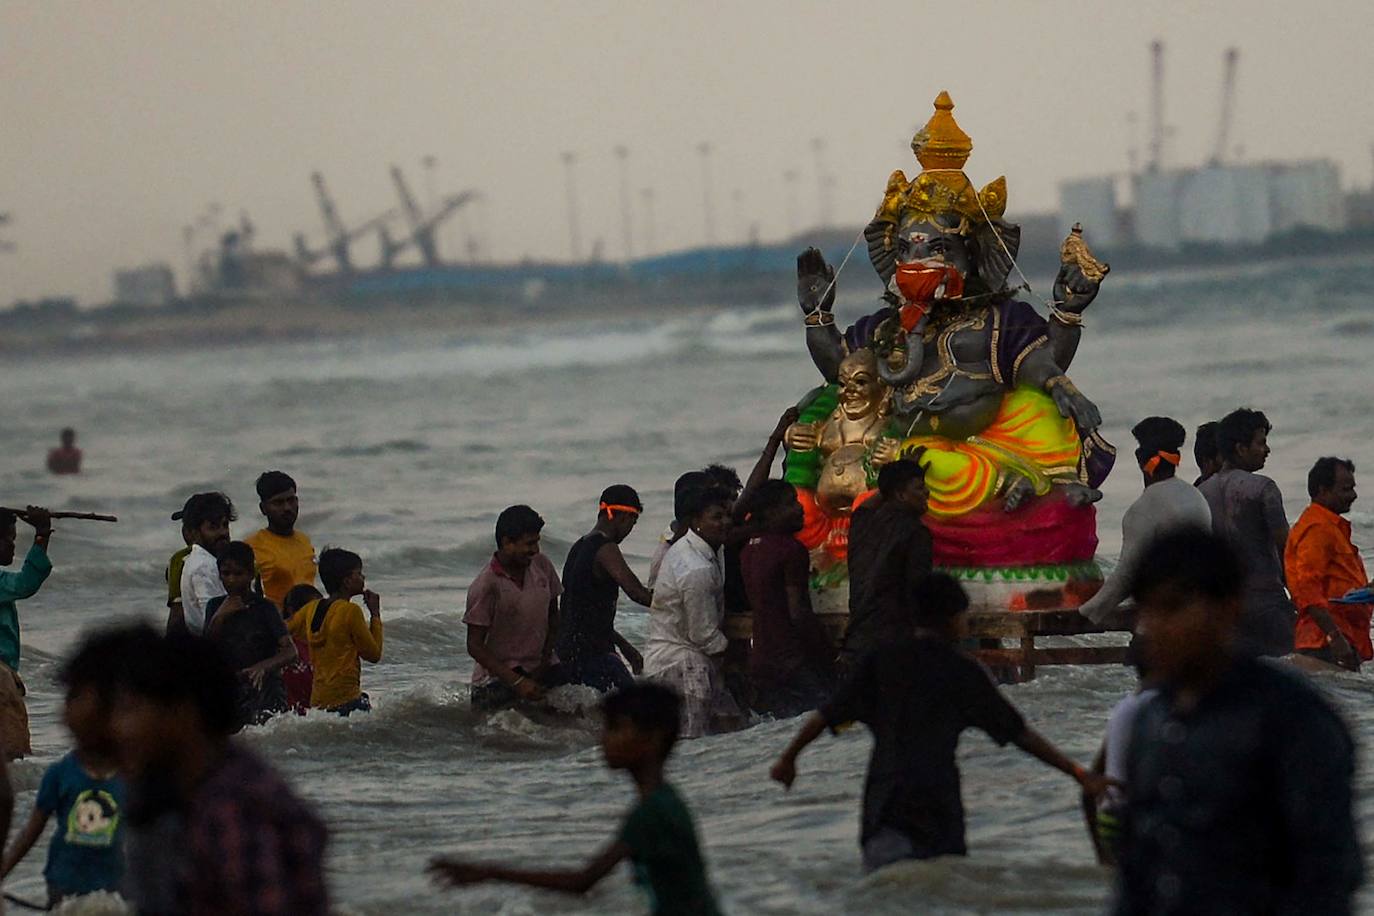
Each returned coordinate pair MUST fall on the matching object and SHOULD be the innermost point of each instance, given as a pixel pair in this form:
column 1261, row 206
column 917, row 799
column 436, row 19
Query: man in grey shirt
column 1166, row 505
column 1247, row 510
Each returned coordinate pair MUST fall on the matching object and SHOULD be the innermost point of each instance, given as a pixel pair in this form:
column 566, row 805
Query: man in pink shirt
column 512, row 613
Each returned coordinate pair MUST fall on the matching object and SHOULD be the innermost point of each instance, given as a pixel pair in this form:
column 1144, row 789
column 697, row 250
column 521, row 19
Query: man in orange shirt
column 1322, row 564
column 285, row 556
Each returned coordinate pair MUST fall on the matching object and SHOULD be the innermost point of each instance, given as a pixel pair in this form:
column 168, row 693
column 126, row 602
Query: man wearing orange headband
column 1167, row 504
column 593, row 577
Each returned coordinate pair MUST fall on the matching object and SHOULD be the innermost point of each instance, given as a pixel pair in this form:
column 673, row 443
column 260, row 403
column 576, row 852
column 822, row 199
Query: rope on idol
column 835, row 279
column 1025, row 283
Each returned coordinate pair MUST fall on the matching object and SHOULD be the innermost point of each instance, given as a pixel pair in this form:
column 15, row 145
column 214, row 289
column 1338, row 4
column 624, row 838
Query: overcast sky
column 123, row 121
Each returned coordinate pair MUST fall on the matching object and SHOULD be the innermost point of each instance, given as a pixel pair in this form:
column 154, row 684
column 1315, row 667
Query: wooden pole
column 80, row 516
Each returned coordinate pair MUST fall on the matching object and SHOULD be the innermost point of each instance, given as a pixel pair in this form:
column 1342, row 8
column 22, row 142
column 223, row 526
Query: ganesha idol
column 957, row 373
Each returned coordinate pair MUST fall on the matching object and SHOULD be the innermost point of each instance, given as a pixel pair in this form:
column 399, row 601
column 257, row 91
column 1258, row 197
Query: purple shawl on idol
column 1017, row 330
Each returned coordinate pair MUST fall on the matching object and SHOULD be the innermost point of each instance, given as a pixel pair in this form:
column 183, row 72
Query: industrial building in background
column 149, row 285
column 1225, row 202
column 1158, row 214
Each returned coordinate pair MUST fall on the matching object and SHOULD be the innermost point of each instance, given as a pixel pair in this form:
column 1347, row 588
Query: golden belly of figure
column 843, row 478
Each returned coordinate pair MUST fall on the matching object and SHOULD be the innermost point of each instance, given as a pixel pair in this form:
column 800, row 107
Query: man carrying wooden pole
column 15, row 586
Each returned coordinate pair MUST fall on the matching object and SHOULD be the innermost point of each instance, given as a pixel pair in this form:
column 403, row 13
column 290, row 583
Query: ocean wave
column 424, row 715
column 101, row 903
column 403, row 446
column 427, row 634
column 462, row 558
column 1359, row 327
column 465, row 558
column 504, row 352
column 951, row 884
column 400, row 446
column 26, row 774
column 113, row 575
column 177, row 495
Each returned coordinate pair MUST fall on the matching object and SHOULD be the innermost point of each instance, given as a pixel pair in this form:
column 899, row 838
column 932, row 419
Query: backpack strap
column 321, row 611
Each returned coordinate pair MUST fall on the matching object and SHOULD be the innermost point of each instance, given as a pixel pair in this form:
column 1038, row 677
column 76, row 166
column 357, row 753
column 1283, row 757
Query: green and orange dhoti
column 1028, row 438
column 970, row 527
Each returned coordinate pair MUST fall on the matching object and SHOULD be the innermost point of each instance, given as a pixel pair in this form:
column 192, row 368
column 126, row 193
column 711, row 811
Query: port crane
column 422, row 227
column 1228, row 106
column 1155, row 160
column 338, row 237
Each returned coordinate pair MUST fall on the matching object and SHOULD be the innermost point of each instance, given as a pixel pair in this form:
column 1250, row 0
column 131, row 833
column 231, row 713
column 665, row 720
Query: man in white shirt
column 682, row 493
column 207, row 517
column 685, row 645
column 1167, row 504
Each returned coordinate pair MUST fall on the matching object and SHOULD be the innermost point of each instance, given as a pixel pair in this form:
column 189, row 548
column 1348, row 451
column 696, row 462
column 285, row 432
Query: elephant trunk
column 909, row 371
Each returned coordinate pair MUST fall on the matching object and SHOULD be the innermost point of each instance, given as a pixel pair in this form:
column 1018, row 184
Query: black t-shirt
column 916, row 696
column 587, row 613
column 736, row 597
column 889, row 552
column 250, row 636
column 1242, row 804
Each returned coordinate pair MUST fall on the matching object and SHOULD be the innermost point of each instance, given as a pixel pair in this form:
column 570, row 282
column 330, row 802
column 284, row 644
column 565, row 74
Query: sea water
column 407, row 446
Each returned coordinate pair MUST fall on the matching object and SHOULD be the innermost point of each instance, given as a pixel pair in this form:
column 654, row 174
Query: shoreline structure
column 216, row 323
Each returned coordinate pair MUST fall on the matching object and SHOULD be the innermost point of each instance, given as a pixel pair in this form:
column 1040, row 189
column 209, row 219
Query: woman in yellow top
column 338, row 637
column 285, row 556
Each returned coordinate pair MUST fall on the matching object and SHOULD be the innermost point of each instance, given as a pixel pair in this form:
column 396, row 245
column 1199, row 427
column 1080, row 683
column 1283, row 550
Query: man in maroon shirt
column 212, row 827
column 791, row 660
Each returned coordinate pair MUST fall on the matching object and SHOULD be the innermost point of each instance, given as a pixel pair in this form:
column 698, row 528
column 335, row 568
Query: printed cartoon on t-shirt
column 93, row 819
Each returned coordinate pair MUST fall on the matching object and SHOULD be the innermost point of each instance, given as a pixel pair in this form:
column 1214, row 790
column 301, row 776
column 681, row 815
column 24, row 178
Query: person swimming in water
column 66, row 458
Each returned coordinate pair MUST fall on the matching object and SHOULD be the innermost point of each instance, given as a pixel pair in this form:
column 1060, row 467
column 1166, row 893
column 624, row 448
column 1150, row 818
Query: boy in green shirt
column 658, row 836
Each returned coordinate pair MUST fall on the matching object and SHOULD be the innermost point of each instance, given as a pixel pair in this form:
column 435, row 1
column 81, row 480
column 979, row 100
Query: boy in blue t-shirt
column 83, row 789
column 658, row 835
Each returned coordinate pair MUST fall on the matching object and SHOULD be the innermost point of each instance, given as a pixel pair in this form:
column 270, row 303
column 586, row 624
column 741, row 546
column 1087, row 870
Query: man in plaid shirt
column 212, row 827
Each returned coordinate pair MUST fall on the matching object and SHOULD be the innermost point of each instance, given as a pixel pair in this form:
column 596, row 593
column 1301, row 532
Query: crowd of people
column 1224, row 783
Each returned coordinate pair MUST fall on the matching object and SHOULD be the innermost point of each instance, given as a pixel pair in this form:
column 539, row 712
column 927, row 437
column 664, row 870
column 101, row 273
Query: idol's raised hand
column 1073, row 290
column 815, row 282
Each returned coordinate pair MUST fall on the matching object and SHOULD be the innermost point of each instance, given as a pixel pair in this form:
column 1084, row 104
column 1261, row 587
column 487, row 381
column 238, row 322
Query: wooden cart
column 993, row 629
column 1024, row 627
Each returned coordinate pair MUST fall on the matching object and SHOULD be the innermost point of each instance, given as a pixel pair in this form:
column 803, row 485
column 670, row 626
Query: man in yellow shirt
column 285, row 556
column 176, row 617
column 339, row 639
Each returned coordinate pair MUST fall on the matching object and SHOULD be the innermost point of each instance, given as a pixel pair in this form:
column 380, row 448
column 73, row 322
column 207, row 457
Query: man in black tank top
column 593, row 577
